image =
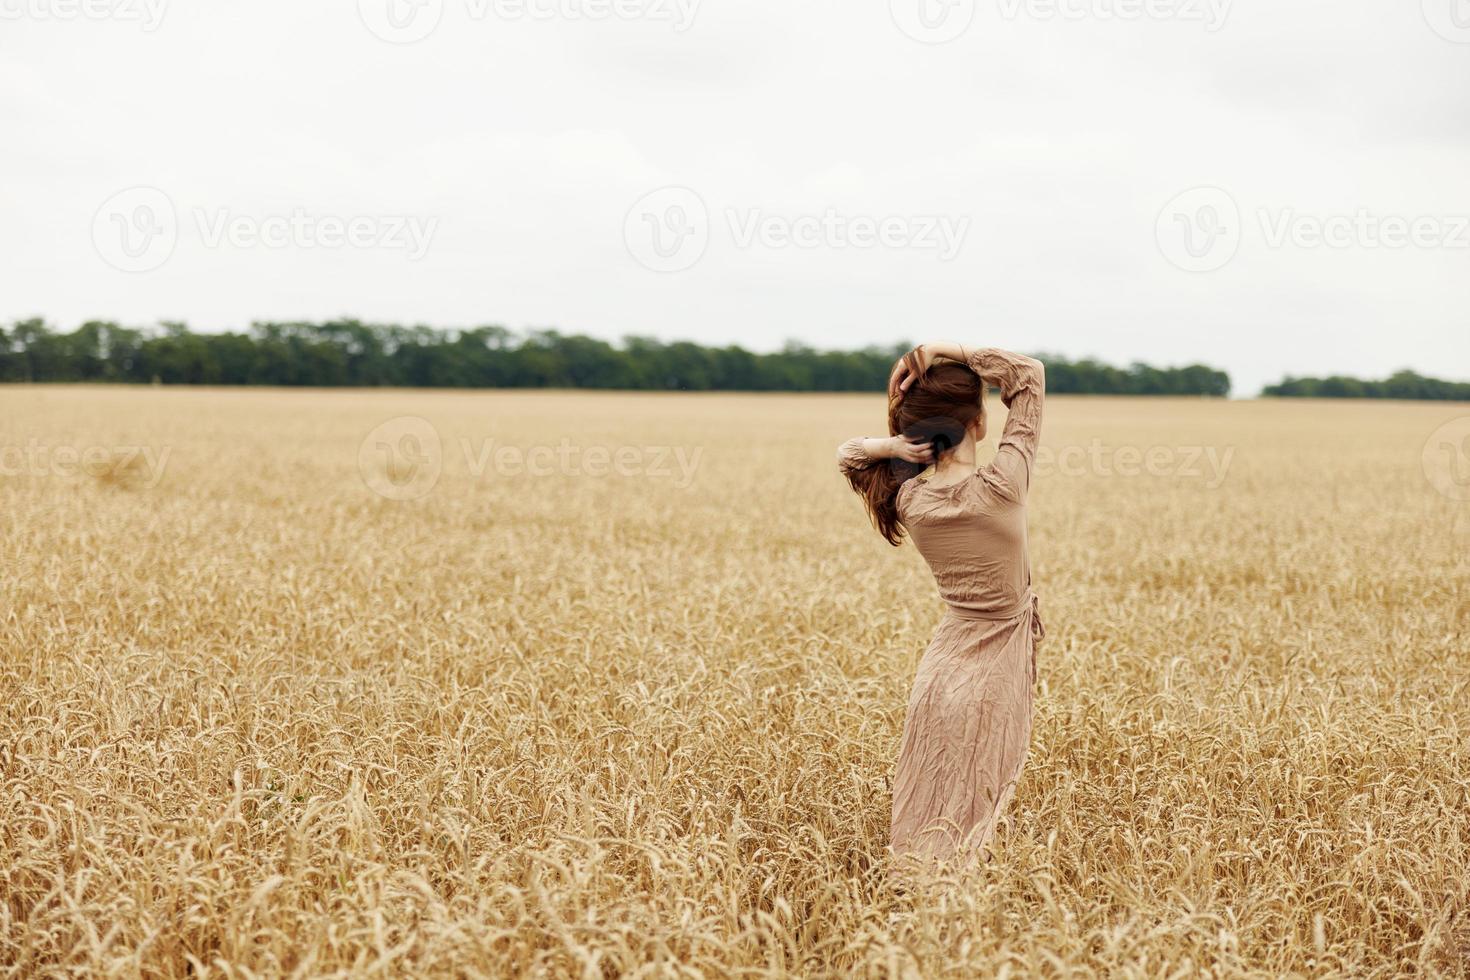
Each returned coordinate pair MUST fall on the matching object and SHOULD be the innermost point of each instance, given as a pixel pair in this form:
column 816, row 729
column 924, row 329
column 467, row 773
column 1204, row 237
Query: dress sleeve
column 1022, row 384
column 851, row 457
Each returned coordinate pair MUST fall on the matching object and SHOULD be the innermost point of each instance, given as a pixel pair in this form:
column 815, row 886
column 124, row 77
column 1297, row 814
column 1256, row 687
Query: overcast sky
column 1268, row 186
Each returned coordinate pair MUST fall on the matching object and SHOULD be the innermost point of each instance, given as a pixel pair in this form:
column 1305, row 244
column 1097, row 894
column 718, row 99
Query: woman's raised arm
column 1022, row 384
column 860, row 452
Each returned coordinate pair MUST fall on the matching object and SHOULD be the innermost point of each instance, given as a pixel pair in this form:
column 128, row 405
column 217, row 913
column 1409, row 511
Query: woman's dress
column 969, row 717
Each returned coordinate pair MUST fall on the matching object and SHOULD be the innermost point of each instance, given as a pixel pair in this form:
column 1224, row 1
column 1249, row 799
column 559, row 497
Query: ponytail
column 878, row 485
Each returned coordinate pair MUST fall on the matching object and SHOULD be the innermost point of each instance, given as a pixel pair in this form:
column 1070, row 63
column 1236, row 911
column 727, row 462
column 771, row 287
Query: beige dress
column 969, row 717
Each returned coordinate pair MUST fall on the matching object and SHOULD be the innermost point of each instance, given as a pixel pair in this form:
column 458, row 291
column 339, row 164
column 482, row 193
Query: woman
column 969, row 717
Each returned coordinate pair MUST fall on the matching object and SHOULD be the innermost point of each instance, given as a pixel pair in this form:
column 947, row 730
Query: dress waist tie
column 1028, row 603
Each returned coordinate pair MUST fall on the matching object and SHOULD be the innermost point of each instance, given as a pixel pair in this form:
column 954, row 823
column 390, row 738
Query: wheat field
column 566, row 684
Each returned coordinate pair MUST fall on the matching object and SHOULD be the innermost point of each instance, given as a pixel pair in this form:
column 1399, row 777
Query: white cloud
column 530, row 139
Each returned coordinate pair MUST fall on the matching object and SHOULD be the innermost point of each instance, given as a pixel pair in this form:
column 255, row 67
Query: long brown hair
column 939, row 406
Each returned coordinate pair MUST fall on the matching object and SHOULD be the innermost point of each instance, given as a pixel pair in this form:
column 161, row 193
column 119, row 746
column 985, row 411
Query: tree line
column 357, row 354
column 1402, row 384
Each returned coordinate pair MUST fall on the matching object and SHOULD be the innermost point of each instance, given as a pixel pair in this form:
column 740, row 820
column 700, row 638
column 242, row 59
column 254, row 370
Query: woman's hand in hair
column 916, row 451
column 913, row 364
column 944, row 350
column 908, row 370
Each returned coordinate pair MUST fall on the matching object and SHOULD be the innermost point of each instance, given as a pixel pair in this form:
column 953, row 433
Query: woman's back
column 973, row 535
